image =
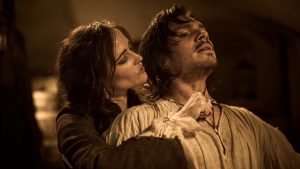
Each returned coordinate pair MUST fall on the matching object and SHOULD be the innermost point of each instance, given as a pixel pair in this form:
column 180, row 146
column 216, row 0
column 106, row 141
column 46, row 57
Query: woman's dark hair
column 155, row 51
column 84, row 64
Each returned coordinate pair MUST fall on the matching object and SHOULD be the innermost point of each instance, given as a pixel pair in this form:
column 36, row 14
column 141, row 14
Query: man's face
column 191, row 50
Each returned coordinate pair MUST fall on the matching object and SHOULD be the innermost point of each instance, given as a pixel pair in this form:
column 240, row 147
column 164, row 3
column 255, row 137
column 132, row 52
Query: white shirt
column 242, row 140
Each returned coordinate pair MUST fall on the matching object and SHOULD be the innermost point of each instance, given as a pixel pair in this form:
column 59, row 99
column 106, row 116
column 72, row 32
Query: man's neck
column 181, row 91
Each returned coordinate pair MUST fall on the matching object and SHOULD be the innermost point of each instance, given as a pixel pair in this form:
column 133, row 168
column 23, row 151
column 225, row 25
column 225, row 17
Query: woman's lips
column 142, row 70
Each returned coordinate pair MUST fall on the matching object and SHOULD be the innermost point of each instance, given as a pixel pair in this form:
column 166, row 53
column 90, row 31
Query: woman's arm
column 84, row 148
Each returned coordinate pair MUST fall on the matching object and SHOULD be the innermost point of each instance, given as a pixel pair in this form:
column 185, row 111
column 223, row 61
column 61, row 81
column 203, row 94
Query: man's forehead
column 186, row 17
column 187, row 21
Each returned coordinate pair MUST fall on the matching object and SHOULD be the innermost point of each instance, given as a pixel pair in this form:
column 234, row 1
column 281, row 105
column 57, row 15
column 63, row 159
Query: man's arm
column 274, row 146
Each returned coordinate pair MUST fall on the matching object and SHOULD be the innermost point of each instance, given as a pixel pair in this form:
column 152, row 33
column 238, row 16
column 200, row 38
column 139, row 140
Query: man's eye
column 183, row 35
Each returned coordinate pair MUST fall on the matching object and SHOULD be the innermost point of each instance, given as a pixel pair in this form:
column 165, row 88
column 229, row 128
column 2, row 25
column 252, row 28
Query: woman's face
column 129, row 70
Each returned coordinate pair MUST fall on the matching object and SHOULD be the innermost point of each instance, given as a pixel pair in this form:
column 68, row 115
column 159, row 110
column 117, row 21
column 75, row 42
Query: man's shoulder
column 237, row 111
column 242, row 113
column 130, row 123
column 144, row 109
column 235, row 108
column 159, row 107
column 141, row 115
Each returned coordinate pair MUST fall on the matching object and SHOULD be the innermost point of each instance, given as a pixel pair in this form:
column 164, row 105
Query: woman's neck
column 120, row 100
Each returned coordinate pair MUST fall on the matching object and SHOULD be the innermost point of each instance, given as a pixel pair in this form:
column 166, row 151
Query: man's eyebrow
column 186, row 25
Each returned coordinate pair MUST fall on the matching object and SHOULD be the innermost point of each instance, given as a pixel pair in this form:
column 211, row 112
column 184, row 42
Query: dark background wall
column 257, row 43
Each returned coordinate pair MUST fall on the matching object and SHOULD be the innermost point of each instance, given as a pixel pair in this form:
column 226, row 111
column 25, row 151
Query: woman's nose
column 138, row 58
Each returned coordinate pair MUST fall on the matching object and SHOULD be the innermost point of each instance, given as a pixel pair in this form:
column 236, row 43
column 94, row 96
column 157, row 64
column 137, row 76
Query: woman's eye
column 123, row 60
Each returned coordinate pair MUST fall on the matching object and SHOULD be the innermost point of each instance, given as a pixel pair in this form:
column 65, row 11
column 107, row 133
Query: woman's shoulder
column 71, row 114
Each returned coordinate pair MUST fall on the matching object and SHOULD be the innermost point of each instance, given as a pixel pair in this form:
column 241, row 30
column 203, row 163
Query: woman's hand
column 183, row 122
column 196, row 104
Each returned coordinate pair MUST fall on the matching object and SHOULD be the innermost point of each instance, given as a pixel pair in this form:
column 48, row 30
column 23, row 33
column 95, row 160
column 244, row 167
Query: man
column 179, row 57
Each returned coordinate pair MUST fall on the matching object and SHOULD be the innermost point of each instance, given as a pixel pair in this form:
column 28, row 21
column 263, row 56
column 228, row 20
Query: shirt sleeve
column 275, row 148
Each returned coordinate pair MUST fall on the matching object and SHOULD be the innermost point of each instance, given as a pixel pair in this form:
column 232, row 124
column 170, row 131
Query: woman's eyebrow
column 122, row 54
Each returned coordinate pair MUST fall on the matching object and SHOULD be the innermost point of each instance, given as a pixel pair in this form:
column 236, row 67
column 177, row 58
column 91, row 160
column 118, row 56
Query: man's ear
column 168, row 64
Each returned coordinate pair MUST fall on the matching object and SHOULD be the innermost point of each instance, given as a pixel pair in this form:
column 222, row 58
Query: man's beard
column 199, row 71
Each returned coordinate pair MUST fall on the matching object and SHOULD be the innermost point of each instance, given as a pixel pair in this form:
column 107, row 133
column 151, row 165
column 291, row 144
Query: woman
column 87, row 61
column 96, row 74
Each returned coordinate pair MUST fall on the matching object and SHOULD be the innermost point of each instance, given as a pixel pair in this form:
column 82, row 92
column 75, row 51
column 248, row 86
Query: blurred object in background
column 21, row 137
column 46, row 102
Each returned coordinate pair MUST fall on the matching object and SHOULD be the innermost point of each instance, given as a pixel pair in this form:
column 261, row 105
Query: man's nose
column 202, row 36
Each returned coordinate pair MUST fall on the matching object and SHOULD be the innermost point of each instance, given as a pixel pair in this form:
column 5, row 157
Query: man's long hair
column 155, row 51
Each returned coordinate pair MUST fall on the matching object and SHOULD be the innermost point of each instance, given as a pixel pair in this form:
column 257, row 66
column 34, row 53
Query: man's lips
column 203, row 47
